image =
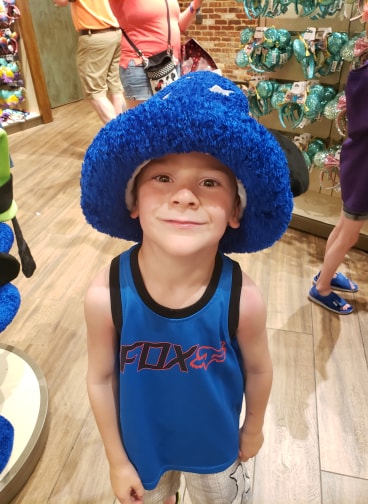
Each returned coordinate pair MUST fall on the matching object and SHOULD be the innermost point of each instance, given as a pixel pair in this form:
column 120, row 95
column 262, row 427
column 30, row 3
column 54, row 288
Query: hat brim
column 201, row 112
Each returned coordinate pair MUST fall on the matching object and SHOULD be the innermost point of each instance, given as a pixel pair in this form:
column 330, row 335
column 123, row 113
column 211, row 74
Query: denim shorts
column 135, row 82
column 355, row 215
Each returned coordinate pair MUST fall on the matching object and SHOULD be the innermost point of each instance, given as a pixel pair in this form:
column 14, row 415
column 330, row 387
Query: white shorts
column 231, row 486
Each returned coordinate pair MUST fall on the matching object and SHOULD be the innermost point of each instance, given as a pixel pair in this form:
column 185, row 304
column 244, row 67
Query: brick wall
column 219, row 33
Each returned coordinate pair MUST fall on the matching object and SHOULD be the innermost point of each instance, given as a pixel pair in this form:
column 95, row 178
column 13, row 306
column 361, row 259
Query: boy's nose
column 184, row 196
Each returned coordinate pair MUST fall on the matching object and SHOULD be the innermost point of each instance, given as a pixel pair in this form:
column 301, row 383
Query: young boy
column 176, row 332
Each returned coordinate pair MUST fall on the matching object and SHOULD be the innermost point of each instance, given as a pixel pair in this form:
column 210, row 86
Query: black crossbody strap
column 168, row 25
column 115, row 297
column 236, row 287
column 138, row 51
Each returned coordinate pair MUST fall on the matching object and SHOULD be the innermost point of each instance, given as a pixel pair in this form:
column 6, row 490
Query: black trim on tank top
column 115, row 295
column 234, row 303
column 115, row 298
column 175, row 313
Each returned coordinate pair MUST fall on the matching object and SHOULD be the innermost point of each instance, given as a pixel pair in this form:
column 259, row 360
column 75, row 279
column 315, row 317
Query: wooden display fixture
column 37, row 95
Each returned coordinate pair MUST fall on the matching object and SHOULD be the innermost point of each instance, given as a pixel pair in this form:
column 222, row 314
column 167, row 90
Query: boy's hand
column 250, row 444
column 126, row 484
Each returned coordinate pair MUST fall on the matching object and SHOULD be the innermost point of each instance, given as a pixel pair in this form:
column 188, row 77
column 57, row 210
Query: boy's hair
column 200, row 112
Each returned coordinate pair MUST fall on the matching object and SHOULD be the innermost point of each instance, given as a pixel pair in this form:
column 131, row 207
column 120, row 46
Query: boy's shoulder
column 251, row 303
column 98, row 291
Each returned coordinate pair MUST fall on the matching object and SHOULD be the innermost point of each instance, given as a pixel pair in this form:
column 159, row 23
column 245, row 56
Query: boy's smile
column 186, row 200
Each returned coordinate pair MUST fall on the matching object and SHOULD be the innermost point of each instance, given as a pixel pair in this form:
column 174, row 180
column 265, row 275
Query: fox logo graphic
column 163, row 356
column 206, row 355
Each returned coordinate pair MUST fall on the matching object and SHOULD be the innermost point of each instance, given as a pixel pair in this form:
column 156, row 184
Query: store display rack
column 317, row 210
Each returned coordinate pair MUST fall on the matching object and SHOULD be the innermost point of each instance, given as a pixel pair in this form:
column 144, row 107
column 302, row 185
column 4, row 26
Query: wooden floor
column 316, row 432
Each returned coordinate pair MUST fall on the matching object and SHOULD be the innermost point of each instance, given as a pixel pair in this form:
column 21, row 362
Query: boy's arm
column 103, row 348
column 253, row 343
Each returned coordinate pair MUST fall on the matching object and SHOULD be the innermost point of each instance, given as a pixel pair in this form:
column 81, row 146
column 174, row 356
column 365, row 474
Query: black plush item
column 26, row 258
column 9, row 268
column 299, row 173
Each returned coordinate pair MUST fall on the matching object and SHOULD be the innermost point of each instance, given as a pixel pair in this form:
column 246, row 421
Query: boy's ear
column 134, row 211
column 234, row 219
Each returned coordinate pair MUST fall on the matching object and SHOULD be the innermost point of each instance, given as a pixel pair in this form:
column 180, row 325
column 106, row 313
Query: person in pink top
column 98, row 55
column 146, row 24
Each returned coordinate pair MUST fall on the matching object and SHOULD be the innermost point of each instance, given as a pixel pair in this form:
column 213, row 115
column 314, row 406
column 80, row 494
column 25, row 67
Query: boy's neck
column 175, row 281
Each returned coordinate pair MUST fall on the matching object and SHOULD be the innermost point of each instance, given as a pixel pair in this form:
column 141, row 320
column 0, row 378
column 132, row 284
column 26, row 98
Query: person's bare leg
column 104, row 108
column 132, row 103
column 341, row 239
column 118, row 101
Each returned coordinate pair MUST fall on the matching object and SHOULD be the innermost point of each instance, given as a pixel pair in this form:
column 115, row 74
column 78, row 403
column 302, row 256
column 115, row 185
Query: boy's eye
column 209, row 183
column 162, row 178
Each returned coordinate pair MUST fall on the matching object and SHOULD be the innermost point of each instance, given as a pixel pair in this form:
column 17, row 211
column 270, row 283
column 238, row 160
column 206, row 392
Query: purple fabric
column 354, row 151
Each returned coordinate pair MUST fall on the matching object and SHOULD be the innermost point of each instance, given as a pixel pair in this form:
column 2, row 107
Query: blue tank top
column 181, row 381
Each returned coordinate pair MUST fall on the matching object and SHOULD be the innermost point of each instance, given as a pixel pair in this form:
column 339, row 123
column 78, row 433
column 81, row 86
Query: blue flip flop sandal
column 341, row 283
column 332, row 301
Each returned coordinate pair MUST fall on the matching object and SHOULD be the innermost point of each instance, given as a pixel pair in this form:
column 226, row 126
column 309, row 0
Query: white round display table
column 24, row 403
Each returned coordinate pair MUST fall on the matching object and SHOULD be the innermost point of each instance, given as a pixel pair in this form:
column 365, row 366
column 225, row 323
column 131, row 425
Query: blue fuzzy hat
column 200, row 112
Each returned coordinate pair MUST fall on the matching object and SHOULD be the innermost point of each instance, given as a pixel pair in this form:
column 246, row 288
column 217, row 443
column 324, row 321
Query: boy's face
column 186, row 201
